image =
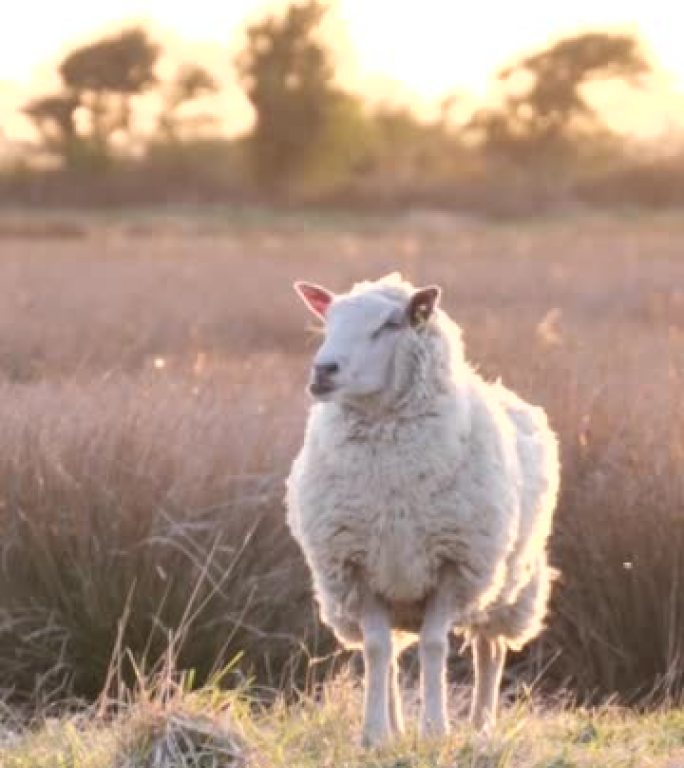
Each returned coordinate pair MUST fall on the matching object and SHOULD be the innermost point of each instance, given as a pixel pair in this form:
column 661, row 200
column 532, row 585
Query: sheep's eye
column 392, row 324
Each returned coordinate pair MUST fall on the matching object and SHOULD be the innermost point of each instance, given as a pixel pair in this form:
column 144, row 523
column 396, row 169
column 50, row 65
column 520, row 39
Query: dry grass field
column 152, row 372
column 212, row 729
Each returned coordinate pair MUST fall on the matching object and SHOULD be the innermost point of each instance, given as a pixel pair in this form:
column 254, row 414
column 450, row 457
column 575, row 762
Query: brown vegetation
column 152, row 398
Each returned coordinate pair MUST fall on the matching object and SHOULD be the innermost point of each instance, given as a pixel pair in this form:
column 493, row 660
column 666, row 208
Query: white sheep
column 422, row 498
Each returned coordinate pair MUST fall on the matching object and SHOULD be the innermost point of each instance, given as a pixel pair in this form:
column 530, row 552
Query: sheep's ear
column 422, row 304
column 316, row 298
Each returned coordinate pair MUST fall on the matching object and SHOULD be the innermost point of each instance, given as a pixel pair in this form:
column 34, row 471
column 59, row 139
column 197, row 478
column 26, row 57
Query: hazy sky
column 421, row 49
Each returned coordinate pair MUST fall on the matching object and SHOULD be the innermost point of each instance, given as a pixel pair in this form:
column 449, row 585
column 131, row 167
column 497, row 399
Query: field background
column 152, row 373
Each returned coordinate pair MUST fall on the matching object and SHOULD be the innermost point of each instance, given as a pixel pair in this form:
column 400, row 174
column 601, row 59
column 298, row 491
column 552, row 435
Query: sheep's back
column 537, row 450
column 540, row 465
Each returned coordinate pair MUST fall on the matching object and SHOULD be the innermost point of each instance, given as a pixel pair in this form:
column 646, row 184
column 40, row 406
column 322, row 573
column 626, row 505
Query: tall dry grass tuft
column 151, row 377
column 148, row 506
column 619, row 612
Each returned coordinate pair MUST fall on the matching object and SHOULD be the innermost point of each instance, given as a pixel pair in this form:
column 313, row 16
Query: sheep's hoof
column 483, row 739
column 483, row 725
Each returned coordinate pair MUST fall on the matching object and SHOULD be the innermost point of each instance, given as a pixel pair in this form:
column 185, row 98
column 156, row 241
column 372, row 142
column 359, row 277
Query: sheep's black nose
column 326, row 369
column 322, row 382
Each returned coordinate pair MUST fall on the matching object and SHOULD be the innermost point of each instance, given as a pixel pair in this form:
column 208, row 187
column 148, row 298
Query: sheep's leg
column 488, row 658
column 434, row 632
column 377, row 655
column 396, row 716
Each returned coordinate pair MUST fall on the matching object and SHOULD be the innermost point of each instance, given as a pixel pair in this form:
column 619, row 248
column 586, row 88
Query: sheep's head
column 365, row 332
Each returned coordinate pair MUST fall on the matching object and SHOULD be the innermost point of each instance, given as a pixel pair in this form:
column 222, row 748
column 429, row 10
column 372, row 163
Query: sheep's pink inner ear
column 423, row 304
column 316, row 298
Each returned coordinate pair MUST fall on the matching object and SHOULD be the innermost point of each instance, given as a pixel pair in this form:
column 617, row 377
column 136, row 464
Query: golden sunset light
column 413, row 53
column 330, row 328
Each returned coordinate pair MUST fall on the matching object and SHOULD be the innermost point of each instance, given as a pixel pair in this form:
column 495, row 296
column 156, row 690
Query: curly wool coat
column 443, row 470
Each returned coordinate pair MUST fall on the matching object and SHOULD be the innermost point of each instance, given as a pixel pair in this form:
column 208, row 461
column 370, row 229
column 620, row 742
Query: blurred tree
column 190, row 82
column 99, row 80
column 122, row 64
column 106, row 75
column 305, row 125
column 54, row 117
column 544, row 113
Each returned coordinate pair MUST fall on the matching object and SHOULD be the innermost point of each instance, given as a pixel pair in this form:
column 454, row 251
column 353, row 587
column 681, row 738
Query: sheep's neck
column 417, row 397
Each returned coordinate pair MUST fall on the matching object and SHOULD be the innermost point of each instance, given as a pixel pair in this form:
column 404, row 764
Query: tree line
column 311, row 134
